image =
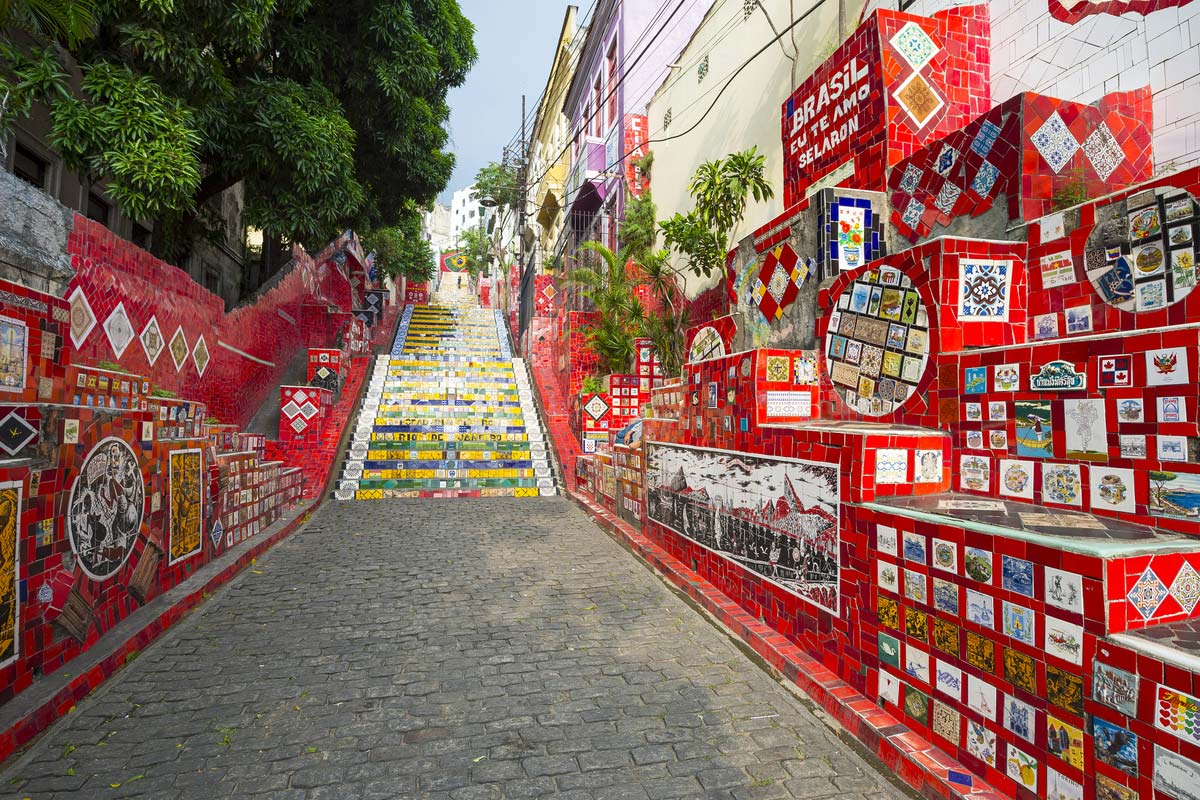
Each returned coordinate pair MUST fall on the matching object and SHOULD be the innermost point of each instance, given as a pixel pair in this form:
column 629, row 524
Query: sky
column 516, row 40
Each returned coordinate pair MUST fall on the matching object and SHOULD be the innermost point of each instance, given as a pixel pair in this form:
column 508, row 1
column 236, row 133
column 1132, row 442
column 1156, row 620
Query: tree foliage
column 400, row 250
column 620, row 316
column 331, row 115
column 473, row 242
column 70, row 21
column 720, row 190
column 500, row 182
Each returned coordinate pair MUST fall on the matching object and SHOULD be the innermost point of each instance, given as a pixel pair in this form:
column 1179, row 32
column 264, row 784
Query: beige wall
column 748, row 112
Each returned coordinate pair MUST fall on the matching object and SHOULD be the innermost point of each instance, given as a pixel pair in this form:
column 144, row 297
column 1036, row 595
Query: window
column 612, row 82
column 98, row 209
column 587, row 119
column 29, row 166
column 140, row 236
column 212, row 278
column 472, row 214
column 598, row 97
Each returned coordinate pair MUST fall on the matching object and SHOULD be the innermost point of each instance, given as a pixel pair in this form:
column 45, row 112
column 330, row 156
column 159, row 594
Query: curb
column 915, row 761
column 46, row 710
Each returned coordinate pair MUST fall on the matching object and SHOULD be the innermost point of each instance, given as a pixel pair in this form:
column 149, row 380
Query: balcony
column 587, row 182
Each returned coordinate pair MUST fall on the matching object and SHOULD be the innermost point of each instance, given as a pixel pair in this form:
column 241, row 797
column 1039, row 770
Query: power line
column 724, row 86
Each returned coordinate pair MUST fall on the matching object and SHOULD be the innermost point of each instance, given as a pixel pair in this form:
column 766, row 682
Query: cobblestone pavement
column 492, row 648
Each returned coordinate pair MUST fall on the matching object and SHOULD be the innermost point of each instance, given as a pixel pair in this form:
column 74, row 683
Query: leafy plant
column 606, row 283
column 70, row 21
column 720, row 191
column 401, row 250
column 592, row 385
column 638, row 233
column 499, row 182
column 473, row 242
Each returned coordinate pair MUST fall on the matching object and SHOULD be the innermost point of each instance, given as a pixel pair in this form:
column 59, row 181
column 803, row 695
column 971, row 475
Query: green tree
column 499, row 181
column 620, row 315
column 70, row 21
column 473, row 242
column 330, row 115
column 720, row 191
column 400, row 250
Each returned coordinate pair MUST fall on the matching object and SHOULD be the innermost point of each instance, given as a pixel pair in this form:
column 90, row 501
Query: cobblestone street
column 491, row 648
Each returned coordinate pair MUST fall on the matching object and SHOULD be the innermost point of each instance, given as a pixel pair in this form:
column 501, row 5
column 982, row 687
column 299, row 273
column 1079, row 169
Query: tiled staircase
column 449, row 413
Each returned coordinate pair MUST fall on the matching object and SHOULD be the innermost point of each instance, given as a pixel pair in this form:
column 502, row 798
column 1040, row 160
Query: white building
column 436, row 227
column 465, row 212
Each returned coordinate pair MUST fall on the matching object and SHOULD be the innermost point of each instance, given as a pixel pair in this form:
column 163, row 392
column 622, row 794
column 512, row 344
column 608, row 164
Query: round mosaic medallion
column 107, row 503
column 877, row 346
column 1141, row 256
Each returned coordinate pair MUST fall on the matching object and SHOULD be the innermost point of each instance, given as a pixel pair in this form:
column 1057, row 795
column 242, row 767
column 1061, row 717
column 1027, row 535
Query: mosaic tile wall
column 110, row 492
column 899, row 81
column 117, row 480
column 1026, row 151
column 131, row 309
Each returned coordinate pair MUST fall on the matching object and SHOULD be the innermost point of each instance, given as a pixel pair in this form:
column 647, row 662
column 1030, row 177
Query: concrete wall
column 33, row 237
column 747, row 113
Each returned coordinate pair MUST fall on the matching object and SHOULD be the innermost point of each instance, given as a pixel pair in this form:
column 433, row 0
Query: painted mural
column 187, row 528
column 776, row 517
column 10, row 518
column 107, row 503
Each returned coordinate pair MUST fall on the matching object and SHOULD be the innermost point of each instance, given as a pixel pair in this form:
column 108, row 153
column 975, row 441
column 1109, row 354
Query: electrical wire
column 651, row 140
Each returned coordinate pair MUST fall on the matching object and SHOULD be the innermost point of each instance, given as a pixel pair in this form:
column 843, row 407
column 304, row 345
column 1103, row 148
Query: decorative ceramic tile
column 152, row 340
column 914, row 548
column 200, row 355
column 1061, row 484
column 1055, row 142
column 916, row 586
column 928, row 466
column 1116, row 372
column 1186, row 587
column 947, row 723
column 1115, row 746
column 1102, row 151
column 1086, row 429
column 981, row 742
column 946, row 160
column 891, row 466
column 1111, row 489
column 15, row 433
column 778, row 369
column 1175, row 775
column 912, row 213
column 1020, row 670
column 1060, row 787
column 1064, row 640
column 1115, row 688
column 912, row 176
column 1017, row 575
column 1167, row 366
column 916, row 705
column 1108, row 789
column 119, row 330
column 916, row 663
column 1020, row 623
column 947, row 197
column 1147, row 593
column 919, row 99
column 83, row 319
column 985, row 179
column 982, row 697
column 945, row 596
column 1020, row 718
column 978, row 564
column 1022, row 767
column 1064, row 689
column 949, row 680
column 889, row 650
column 983, row 289
column 1063, row 589
column 596, row 407
column 985, row 139
column 914, row 45
column 1177, row 713
column 1016, row 478
column 178, row 348
column 889, row 688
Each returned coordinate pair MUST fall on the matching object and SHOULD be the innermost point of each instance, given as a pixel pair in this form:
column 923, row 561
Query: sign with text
column 837, row 111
